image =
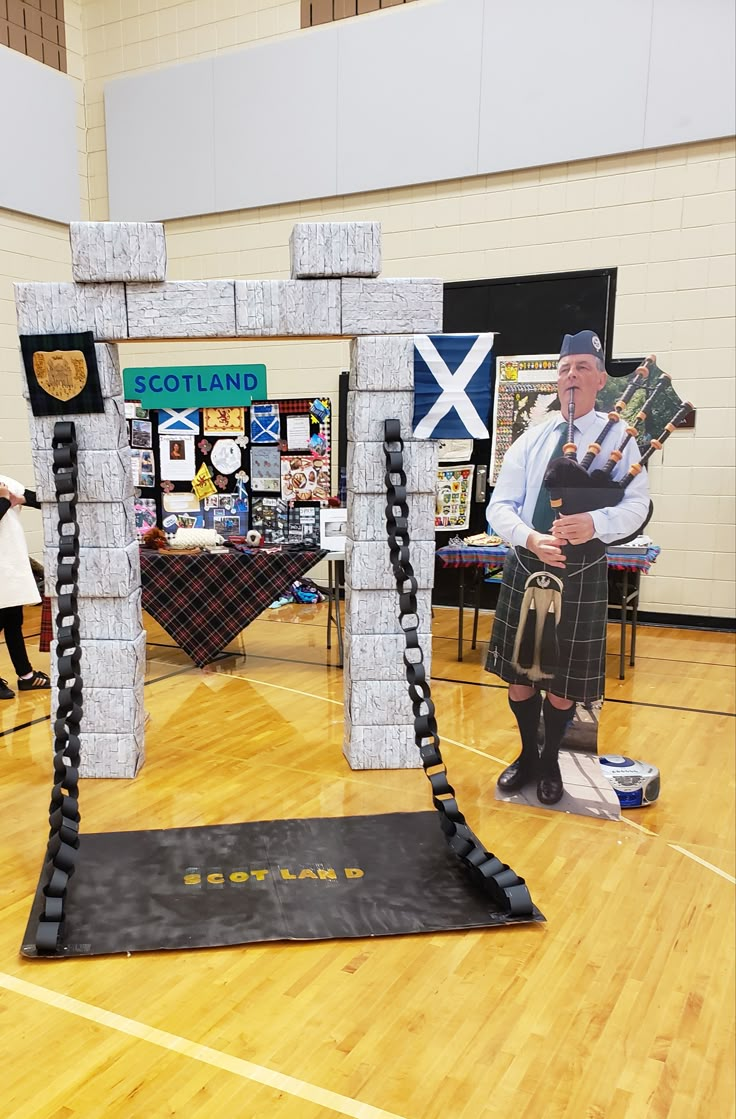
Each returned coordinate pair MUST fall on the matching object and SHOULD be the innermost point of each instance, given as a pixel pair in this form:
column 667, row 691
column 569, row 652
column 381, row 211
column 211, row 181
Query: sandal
column 6, row 692
column 33, row 683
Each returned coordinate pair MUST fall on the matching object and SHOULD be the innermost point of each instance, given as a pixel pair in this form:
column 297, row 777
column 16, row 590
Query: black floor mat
column 312, row 879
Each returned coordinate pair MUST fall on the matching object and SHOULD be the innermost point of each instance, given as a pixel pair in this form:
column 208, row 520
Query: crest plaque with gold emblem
column 62, row 373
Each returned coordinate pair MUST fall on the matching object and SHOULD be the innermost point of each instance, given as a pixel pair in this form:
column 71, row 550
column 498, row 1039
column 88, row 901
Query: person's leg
column 526, row 703
column 558, row 712
column 16, row 643
column 5, row 691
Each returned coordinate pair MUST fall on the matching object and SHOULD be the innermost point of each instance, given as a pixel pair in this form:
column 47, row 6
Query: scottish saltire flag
column 452, row 385
column 178, row 421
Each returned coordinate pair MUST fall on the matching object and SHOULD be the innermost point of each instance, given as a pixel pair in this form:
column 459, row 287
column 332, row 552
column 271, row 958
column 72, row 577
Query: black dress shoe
column 550, row 788
column 515, row 776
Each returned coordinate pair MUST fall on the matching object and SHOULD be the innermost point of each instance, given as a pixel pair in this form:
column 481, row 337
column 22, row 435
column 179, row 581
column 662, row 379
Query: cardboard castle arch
column 120, row 293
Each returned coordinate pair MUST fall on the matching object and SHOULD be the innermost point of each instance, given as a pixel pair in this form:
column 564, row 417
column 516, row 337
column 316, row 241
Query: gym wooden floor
column 621, row 1005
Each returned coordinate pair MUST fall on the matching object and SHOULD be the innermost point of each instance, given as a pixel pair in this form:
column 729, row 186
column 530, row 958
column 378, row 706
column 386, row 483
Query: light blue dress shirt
column 514, row 497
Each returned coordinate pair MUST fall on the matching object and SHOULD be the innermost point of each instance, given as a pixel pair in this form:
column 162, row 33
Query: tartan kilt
column 581, row 634
column 46, row 634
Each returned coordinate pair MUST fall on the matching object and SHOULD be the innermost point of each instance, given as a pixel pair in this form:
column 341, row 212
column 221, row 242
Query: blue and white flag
column 265, row 423
column 452, row 385
column 178, row 421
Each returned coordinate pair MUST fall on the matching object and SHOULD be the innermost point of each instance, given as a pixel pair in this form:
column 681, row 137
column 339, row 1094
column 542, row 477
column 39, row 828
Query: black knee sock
column 526, row 712
column 556, row 722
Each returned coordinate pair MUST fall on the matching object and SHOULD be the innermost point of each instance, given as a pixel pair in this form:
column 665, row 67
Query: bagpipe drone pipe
column 574, row 487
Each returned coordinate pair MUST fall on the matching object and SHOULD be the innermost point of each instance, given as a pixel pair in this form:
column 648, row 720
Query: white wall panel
column 691, row 84
column 275, row 118
column 38, row 140
column 422, row 93
column 408, row 96
column 562, row 81
column 161, row 147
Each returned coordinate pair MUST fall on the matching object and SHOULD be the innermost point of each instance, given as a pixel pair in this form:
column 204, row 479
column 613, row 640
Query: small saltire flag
column 178, row 421
column 452, row 385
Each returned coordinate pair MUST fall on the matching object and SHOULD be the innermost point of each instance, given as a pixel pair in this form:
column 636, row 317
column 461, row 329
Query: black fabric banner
column 62, row 374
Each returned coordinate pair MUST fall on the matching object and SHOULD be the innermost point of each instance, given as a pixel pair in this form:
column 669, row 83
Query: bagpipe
column 574, row 487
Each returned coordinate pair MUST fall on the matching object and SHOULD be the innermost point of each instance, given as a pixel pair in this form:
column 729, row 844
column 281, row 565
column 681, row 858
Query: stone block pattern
column 321, row 249
column 375, row 612
column 366, row 467
column 182, row 309
column 107, row 619
column 366, row 517
column 111, row 755
column 380, row 747
column 61, row 308
column 108, row 525
column 380, row 656
column 105, row 662
column 283, row 308
column 367, row 565
column 382, row 363
column 109, row 710
column 114, row 250
column 391, row 306
column 98, row 431
column 103, row 475
column 103, row 572
column 368, row 411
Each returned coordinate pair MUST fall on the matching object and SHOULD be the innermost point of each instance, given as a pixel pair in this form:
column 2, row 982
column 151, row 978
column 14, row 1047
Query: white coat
column 17, row 584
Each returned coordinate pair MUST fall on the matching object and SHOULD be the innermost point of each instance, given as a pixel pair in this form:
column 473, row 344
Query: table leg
column 461, row 600
column 339, row 582
column 330, row 600
column 634, row 612
column 624, row 611
column 478, row 576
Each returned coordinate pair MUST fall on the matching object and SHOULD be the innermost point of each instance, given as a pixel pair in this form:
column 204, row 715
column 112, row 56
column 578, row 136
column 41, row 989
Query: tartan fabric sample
column 477, row 557
column 204, row 601
column 581, row 633
column 46, row 634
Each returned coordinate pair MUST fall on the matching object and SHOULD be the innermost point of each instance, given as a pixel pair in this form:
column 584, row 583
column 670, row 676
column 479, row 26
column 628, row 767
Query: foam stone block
column 366, row 517
column 115, row 250
column 101, row 525
column 380, row 656
column 320, row 249
column 373, row 612
column 111, row 755
column 366, row 467
column 380, row 747
column 105, row 664
column 98, row 431
column 367, row 565
column 378, row 702
column 391, row 306
column 265, row 308
column 102, row 475
column 368, row 411
column 107, row 619
column 63, row 308
column 103, row 572
column 109, row 710
column 182, row 309
column 382, row 363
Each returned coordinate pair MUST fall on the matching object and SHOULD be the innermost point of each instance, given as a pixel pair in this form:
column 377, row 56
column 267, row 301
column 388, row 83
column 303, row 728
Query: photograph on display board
column 300, row 479
column 454, row 497
column 141, row 433
column 265, row 469
column 176, row 458
column 145, row 515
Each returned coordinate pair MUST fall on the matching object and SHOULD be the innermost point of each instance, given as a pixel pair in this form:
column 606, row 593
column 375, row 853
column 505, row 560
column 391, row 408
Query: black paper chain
column 63, row 845
column 509, row 892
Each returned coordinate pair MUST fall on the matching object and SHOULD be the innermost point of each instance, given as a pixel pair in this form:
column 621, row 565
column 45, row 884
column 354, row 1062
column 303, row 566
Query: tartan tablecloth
column 494, row 556
column 203, row 601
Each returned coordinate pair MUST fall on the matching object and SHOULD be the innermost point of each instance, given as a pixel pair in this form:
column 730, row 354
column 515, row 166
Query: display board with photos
column 526, row 394
column 230, row 468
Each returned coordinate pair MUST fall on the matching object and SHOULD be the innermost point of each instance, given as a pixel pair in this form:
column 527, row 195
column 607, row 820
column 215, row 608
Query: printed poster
column 302, row 480
column 454, row 495
column 141, row 433
column 145, row 515
column 265, row 468
column 143, row 469
column 526, row 394
column 297, row 433
column 176, row 456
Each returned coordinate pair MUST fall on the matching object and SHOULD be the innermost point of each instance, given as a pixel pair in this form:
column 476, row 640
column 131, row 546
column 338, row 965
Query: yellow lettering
column 259, row 875
column 353, row 872
column 286, row 873
column 217, row 879
column 239, row 876
column 307, row 873
column 192, row 879
column 327, row 872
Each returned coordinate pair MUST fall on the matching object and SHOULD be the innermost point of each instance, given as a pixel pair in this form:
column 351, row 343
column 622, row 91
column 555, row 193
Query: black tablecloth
column 203, row 601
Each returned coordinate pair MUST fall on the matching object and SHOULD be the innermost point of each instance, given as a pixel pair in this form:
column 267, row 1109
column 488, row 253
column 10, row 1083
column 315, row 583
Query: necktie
column 544, row 514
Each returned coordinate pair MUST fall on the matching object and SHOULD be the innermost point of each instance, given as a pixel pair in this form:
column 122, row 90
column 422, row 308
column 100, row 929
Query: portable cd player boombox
column 636, row 784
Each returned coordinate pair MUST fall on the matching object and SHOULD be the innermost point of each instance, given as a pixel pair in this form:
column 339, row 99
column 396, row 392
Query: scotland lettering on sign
column 205, row 386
